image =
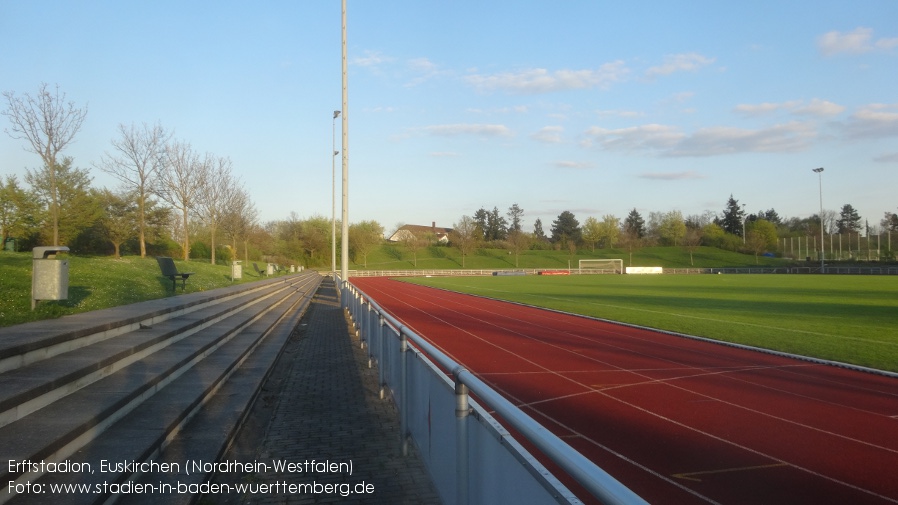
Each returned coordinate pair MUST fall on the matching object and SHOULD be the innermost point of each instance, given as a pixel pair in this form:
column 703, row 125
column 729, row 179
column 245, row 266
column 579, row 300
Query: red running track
column 675, row 419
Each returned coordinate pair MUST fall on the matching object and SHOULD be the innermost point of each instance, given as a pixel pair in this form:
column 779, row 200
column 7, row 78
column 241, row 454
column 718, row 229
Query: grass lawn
column 851, row 319
column 101, row 282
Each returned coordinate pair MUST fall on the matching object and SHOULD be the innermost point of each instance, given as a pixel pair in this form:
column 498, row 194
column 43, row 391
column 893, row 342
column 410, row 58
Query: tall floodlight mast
column 344, row 253
column 820, row 176
column 334, row 196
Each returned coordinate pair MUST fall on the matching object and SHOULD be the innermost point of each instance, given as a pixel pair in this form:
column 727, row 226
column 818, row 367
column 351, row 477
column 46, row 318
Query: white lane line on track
column 574, row 322
column 631, row 405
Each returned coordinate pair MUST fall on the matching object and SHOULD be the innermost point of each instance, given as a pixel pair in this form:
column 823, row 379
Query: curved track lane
column 677, row 420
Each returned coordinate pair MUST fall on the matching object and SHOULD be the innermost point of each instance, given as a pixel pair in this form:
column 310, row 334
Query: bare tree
column 181, row 183
column 48, row 123
column 137, row 161
column 465, row 235
column 217, row 192
column 691, row 241
column 240, row 219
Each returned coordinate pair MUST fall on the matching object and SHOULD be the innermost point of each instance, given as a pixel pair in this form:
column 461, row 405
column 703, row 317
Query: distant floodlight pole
column 344, row 253
column 334, row 195
column 820, row 177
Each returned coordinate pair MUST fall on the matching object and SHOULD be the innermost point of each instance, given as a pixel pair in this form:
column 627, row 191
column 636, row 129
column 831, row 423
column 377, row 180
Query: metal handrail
column 589, row 475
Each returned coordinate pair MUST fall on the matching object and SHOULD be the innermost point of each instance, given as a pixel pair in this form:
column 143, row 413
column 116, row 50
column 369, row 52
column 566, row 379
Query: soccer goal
column 606, row 266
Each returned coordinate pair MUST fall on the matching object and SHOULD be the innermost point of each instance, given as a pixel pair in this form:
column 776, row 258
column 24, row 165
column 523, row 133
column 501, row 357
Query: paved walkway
column 321, row 403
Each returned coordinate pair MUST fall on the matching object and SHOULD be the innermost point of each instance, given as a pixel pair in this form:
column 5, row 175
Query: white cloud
column 650, row 137
column 873, row 121
column 424, row 70
column 858, row 41
column 453, row 130
column 665, row 140
column 444, row 154
column 819, row 107
column 789, row 137
column 548, row 134
column 371, row 59
column 815, row 107
column 680, row 63
column 619, row 113
column 540, row 80
column 765, row 108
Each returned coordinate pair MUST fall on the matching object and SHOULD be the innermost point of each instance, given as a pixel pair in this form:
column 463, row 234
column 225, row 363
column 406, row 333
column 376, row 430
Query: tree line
column 732, row 228
column 172, row 200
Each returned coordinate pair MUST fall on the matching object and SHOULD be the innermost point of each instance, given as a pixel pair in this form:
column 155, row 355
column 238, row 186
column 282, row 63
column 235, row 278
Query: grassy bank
column 100, row 282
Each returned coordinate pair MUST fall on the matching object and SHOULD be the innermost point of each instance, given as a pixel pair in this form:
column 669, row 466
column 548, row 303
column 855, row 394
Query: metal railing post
column 403, row 390
column 462, row 409
column 382, row 359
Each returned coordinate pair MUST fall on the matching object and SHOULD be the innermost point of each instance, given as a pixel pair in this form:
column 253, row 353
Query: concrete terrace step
column 141, row 388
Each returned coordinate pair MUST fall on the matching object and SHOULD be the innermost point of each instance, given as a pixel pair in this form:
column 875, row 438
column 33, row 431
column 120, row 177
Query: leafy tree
column 364, row 237
column 889, row 221
column 760, row 236
column 538, row 234
column 19, row 211
column 673, row 227
column 609, row 230
column 119, row 218
column 69, row 187
column 733, row 216
column 515, row 213
column 849, row 220
column 566, row 229
column 48, row 124
column 591, row 232
column 634, row 225
column 481, row 218
column 497, row 226
column 465, row 236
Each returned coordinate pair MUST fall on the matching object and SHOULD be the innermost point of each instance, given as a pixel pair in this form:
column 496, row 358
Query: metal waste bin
column 49, row 276
column 236, row 270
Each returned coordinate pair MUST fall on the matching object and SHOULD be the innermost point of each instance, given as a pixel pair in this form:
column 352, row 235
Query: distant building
column 440, row 235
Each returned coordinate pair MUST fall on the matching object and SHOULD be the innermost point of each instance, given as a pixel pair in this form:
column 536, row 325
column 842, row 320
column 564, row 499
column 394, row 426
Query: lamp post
column 344, row 253
column 819, row 172
column 333, row 196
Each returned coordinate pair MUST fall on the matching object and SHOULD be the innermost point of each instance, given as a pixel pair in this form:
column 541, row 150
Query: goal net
column 606, row 266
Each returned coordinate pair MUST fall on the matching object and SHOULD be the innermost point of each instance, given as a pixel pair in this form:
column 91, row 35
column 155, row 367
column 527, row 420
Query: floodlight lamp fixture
column 818, row 170
column 336, row 114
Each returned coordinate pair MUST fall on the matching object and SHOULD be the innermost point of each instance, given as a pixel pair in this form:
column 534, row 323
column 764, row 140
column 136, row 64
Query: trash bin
column 292, row 269
column 270, row 269
column 49, row 276
column 236, row 270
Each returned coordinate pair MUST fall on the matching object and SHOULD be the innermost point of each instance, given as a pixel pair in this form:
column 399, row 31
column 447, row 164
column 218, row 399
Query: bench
column 167, row 265
column 260, row 272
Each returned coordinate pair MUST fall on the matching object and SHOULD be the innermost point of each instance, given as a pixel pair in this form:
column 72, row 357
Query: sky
column 593, row 107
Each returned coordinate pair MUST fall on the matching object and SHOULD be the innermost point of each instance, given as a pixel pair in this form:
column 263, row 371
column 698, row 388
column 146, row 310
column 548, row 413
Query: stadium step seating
column 163, row 381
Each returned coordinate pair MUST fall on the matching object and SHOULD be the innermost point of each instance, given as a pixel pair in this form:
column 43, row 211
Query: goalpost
column 605, row 266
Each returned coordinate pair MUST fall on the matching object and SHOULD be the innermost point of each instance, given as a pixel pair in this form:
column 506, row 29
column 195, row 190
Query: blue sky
column 596, row 107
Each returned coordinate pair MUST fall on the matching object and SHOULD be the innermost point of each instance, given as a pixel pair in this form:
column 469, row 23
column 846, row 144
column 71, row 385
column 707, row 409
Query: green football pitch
column 850, row 319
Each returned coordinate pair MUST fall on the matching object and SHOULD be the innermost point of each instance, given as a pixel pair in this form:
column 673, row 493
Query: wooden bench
column 260, row 272
column 167, row 265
